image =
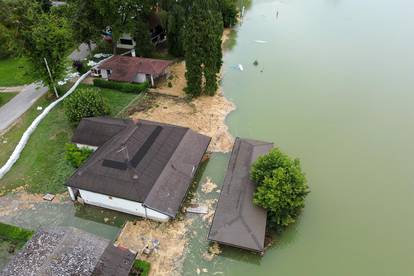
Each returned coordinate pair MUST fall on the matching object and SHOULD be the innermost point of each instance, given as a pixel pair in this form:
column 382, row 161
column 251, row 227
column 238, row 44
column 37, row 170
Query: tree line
column 41, row 32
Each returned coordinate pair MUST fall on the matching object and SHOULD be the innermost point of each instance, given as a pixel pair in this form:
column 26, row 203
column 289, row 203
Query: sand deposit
column 172, row 237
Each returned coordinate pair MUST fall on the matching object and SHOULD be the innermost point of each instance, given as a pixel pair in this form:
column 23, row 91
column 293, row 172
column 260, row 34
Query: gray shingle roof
column 148, row 162
column 96, row 131
column 115, row 261
column 237, row 220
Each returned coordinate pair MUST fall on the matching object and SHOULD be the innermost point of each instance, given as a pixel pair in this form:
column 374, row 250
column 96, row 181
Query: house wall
column 121, row 205
column 82, row 146
column 140, row 78
column 104, row 74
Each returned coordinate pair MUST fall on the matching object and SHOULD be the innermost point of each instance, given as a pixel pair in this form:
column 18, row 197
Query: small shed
column 238, row 221
column 115, row 261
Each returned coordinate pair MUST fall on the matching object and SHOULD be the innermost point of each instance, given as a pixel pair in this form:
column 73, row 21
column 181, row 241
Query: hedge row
column 141, row 268
column 13, row 233
column 122, row 86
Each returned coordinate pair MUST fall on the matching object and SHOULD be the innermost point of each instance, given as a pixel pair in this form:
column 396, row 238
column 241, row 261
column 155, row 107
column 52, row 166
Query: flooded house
column 145, row 169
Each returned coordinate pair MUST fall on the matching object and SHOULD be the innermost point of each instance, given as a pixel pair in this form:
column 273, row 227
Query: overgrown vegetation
column 281, row 187
column 14, row 233
column 76, row 156
column 122, row 86
column 140, row 268
column 85, row 103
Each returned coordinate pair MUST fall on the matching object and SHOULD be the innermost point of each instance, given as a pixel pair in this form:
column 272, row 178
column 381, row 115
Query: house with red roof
column 133, row 69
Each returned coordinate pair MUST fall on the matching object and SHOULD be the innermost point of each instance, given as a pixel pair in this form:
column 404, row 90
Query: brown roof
column 148, row 162
column 237, row 220
column 125, row 68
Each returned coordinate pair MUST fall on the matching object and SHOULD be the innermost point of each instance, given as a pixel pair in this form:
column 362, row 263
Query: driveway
column 82, row 52
column 15, row 108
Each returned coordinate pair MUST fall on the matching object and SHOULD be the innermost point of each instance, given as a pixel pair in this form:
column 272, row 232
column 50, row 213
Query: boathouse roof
column 238, row 221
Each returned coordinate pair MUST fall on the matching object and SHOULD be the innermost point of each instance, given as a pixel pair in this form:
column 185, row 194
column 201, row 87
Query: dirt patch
column 175, row 84
column 19, row 199
column 168, row 259
column 205, row 115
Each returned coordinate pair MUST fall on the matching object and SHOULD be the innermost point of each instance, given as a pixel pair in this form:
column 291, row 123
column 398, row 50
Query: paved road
column 15, row 108
column 82, row 52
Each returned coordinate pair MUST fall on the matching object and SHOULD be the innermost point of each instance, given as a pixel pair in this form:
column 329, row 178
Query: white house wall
column 140, row 78
column 121, row 205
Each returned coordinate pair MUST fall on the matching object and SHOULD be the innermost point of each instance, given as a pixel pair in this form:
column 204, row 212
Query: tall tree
column 202, row 45
column 142, row 37
column 175, row 26
column 50, row 39
column 229, row 12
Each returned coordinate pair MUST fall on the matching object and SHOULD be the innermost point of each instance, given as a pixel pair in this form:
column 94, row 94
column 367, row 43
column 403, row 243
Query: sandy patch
column 177, row 81
column 168, row 259
column 19, row 199
column 205, row 115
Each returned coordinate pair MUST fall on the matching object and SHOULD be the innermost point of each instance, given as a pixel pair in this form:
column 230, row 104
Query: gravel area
column 58, row 251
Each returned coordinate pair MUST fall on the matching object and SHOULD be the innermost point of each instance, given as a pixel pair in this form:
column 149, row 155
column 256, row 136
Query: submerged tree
column 202, row 45
column 281, row 187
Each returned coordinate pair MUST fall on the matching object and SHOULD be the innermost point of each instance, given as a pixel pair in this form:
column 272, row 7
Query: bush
column 122, row 86
column 85, row 103
column 76, row 156
column 281, row 187
column 140, row 268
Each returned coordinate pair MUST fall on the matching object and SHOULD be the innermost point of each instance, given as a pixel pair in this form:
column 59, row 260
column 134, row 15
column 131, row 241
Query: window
column 126, row 41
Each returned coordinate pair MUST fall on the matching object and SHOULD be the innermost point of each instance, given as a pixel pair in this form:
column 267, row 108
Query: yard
column 5, row 97
column 42, row 166
column 14, row 72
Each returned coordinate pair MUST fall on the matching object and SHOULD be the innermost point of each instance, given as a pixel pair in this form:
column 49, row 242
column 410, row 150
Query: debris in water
column 260, row 41
column 197, row 209
column 198, row 271
column 208, row 186
column 49, row 197
column 241, row 67
column 255, row 63
column 205, row 270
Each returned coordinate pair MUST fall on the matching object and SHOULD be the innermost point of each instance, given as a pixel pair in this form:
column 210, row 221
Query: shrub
column 85, row 103
column 281, row 187
column 81, row 66
column 140, row 268
column 122, row 86
column 76, row 156
column 169, row 84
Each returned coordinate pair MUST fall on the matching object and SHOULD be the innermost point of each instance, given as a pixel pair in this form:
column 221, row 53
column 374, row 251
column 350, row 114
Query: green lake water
column 336, row 91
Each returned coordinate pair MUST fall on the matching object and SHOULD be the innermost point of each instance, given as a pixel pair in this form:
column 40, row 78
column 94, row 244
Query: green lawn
column 42, row 165
column 14, row 72
column 5, row 97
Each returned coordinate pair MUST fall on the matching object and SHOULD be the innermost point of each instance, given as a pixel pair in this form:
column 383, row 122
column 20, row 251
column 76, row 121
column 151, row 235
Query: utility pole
column 51, row 78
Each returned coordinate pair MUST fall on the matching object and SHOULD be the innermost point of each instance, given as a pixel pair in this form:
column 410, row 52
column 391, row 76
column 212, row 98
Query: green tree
column 176, row 22
column 85, row 103
column 229, row 12
column 281, row 187
column 202, row 46
column 50, row 39
column 142, row 37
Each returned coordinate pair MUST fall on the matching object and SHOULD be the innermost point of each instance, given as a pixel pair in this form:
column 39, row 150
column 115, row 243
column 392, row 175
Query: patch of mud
column 168, row 259
column 19, row 200
column 175, row 84
column 212, row 252
column 205, row 115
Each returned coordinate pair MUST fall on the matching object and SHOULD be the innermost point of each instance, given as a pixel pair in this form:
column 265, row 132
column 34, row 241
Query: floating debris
column 197, row 209
column 261, row 41
column 208, row 186
column 255, row 63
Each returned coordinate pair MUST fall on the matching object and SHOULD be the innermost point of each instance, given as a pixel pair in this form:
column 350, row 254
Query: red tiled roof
column 125, row 68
